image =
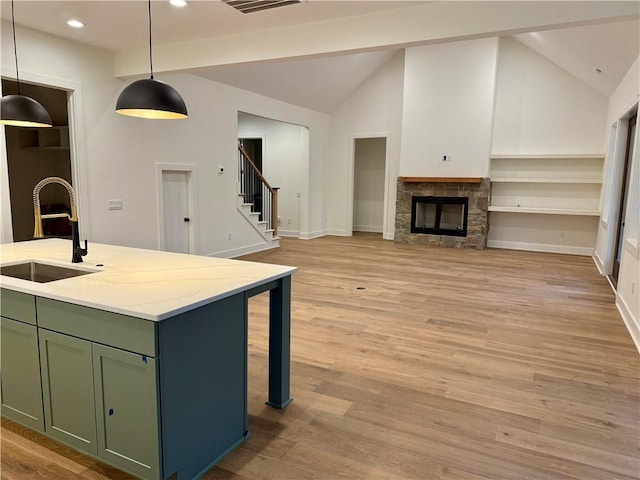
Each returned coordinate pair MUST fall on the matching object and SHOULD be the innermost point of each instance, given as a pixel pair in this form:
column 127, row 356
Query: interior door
column 176, row 216
column 626, row 180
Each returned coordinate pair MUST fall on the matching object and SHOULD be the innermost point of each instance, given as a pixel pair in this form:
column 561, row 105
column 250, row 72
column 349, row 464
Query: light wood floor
column 411, row 362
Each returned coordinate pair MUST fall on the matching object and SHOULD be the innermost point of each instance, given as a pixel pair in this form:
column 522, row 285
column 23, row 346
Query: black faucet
column 77, row 251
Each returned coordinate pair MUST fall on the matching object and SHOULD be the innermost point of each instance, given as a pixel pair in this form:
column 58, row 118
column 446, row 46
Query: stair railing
column 257, row 191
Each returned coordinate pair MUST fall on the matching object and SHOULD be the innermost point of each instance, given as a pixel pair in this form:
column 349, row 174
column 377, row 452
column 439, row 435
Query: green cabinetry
column 159, row 400
column 20, row 378
column 126, row 410
column 67, row 381
column 97, row 398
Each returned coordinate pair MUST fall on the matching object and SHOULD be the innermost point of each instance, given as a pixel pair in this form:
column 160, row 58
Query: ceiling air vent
column 251, row 6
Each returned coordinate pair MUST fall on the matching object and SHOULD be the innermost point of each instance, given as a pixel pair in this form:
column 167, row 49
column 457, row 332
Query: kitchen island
column 140, row 361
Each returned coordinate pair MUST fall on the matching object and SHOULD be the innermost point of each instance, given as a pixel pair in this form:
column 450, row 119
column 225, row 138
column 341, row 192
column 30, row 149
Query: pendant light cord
column 15, row 47
column 150, row 51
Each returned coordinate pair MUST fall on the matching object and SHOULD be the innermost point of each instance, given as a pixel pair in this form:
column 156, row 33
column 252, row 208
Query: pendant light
column 151, row 98
column 20, row 110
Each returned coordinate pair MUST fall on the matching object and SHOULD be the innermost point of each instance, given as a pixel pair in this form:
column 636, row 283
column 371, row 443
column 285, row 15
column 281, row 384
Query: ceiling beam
column 436, row 22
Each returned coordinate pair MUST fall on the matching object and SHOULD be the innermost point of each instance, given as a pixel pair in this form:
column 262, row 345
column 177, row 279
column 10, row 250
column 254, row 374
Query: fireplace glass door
column 439, row 215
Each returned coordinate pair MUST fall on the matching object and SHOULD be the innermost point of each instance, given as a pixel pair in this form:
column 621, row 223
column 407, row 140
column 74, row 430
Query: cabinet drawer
column 120, row 331
column 18, row 306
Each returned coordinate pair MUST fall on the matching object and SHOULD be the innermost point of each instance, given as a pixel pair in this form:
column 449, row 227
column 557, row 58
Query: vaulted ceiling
column 324, row 49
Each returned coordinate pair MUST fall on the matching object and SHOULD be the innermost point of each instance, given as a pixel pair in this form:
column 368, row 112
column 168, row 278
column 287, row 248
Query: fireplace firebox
column 439, row 215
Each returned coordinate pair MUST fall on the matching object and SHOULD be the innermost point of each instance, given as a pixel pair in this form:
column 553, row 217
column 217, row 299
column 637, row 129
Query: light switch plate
column 114, row 204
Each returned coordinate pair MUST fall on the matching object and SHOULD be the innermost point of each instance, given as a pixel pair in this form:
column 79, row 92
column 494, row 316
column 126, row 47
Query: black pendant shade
column 20, row 110
column 23, row 111
column 151, row 98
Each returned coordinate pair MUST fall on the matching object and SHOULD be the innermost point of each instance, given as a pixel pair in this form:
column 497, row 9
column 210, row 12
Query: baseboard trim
column 598, row 261
column 389, row 236
column 337, row 233
column 540, row 247
column 237, row 252
column 288, row 233
column 367, row 228
column 312, row 235
column 629, row 321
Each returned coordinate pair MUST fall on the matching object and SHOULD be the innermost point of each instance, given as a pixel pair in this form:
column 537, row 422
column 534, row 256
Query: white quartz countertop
column 142, row 283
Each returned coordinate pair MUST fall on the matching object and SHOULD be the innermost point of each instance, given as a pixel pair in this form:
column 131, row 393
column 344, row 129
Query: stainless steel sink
column 40, row 272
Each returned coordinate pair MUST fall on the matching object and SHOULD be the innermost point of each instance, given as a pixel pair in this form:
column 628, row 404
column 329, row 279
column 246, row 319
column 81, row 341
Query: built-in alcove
column 36, row 153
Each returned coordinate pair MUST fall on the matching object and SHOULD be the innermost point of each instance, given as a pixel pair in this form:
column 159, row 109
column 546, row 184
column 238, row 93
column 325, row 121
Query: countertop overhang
column 141, row 283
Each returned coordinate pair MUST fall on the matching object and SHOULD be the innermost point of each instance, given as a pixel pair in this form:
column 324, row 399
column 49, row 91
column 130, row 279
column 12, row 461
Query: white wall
column 373, row 110
column 286, row 150
column 627, row 297
column 541, row 108
column 368, row 192
column 448, row 109
column 119, row 154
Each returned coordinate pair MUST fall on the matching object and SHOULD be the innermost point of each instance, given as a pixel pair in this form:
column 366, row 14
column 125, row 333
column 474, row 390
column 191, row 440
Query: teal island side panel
column 203, row 383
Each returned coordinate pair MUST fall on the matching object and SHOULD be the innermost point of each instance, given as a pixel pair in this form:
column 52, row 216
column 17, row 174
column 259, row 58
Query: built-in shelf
column 50, row 138
column 545, row 211
column 559, row 193
column 562, row 156
column 545, row 180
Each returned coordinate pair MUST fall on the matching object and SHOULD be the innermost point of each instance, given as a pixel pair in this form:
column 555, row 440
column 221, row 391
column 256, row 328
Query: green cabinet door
column 20, row 374
column 67, row 384
column 127, row 410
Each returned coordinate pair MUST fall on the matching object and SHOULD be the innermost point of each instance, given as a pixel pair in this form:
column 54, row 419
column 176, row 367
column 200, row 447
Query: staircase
column 257, row 200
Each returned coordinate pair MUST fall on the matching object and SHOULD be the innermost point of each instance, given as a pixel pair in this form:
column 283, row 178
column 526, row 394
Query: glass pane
column 425, row 215
column 452, row 217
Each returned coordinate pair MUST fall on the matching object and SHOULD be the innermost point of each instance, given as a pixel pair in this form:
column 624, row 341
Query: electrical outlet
column 114, row 204
column 229, row 236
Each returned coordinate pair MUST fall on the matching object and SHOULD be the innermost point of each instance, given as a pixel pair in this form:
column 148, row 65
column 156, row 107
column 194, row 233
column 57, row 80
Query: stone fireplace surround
column 477, row 189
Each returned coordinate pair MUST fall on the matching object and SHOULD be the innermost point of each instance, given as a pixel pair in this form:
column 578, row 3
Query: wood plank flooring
column 411, row 362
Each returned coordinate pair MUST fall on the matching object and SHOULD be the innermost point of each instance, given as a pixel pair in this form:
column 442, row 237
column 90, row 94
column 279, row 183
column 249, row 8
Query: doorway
column 369, row 171
column 176, row 209
column 252, row 186
column 623, row 199
column 34, row 154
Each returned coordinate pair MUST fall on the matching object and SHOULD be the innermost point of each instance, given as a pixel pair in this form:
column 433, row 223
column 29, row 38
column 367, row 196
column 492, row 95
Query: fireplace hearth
column 447, row 212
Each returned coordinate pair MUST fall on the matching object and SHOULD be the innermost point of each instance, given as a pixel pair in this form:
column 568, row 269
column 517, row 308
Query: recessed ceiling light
column 178, row 3
column 75, row 23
